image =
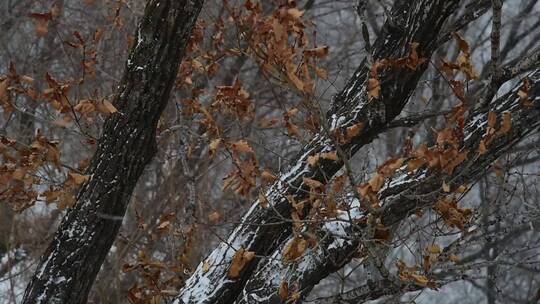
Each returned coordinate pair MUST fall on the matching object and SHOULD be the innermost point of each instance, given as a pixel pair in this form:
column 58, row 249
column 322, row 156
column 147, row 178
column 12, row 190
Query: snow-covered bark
column 263, row 228
column 70, row 264
column 401, row 196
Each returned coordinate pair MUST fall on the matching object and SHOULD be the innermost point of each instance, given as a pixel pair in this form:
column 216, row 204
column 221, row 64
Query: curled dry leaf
column 434, row 249
column 241, row 146
column 523, row 93
column 313, row 184
column 283, row 291
column 206, row 266
column 213, row 146
column 41, row 21
column 106, row 107
column 314, row 159
column 319, row 52
column 268, row 177
column 294, row 249
column 263, row 200
column 445, row 187
column 214, row 217
column 240, row 260
column 339, row 183
column 77, row 178
column 5, row 100
column 374, row 88
column 505, row 124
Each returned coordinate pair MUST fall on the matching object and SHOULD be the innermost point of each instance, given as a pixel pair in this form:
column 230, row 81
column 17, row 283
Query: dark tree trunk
column 404, row 194
column 410, row 21
column 71, row 262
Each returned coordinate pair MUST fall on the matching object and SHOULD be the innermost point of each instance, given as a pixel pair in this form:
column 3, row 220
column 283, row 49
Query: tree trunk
column 404, row 194
column 409, row 21
column 71, row 262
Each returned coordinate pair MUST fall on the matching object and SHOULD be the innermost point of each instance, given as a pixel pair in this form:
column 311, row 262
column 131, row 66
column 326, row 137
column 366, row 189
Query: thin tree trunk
column 70, row 264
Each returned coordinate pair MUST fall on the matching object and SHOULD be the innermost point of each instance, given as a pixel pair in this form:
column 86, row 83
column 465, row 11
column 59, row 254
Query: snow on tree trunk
column 402, row 195
column 70, row 264
column 409, row 22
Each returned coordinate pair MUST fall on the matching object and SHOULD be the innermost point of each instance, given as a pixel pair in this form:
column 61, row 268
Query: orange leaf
column 446, row 187
column 241, row 146
column 330, row 155
column 106, row 107
column 240, row 259
column 374, row 88
column 268, row 176
column 295, row 13
column 339, row 183
column 313, row 159
column 41, row 21
column 353, row 131
column 299, row 84
column 294, row 249
column 78, row 178
column 283, row 291
column 313, row 184
column 492, row 119
column 263, row 201
column 434, row 249
column 214, row 217
column 212, row 148
column 319, row 52
column 505, row 124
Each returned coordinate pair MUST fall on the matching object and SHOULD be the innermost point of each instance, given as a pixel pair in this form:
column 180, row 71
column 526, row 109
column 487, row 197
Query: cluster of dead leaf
column 412, row 61
column 279, row 44
column 22, row 170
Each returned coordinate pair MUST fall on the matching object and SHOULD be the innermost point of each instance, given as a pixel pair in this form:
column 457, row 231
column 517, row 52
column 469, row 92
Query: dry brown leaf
column 313, row 184
column 505, row 124
column 434, row 249
column 294, row 249
column 263, row 200
column 241, row 146
column 415, row 163
column 313, row 159
column 482, row 149
column 420, row 279
column 5, row 100
column 214, row 217
column 330, row 155
column 295, row 13
column 376, row 182
column 352, row 131
column 268, row 177
column 283, row 291
column 297, row 82
column 319, row 52
column 374, row 88
column 213, row 146
column 492, row 119
column 445, row 187
column 292, row 129
column 78, row 178
column 339, row 183
column 41, row 21
column 106, row 107
column 206, row 266
column 240, row 259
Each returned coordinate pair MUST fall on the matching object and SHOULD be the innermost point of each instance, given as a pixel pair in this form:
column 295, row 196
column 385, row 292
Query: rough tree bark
column 409, row 21
column 402, row 195
column 71, row 262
